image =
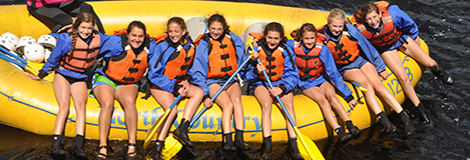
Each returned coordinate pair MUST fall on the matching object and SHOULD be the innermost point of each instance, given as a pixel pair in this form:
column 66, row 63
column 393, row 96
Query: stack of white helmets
column 49, row 43
column 8, row 40
column 27, row 47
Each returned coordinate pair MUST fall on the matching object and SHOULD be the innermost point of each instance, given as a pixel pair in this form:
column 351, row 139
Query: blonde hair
column 338, row 14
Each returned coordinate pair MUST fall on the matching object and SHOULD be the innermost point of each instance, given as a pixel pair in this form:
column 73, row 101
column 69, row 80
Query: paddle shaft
column 198, row 115
column 6, row 58
column 13, row 55
column 277, row 98
column 285, row 111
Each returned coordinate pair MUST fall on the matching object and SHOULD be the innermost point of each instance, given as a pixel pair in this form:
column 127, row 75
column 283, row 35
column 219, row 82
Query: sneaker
column 356, row 132
column 443, row 76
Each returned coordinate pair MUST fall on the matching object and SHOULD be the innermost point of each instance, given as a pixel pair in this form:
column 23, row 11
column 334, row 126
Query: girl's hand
column 208, row 103
column 418, row 40
column 353, row 103
column 32, row 76
column 255, row 55
column 260, row 68
column 276, row 91
column 184, row 89
column 384, row 74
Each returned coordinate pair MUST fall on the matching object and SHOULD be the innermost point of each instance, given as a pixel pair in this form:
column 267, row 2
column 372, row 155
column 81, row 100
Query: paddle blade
column 153, row 130
column 171, row 148
column 307, row 148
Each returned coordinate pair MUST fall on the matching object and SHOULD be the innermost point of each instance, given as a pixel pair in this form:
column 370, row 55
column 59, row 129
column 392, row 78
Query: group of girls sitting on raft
column 316, row 62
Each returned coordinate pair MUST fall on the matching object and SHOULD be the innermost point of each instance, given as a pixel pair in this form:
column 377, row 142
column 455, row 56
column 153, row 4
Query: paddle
column 13, row 55
column 308, row 149
column 24, row 66
column 173, row 146
column 151, row 132
column 358, row 86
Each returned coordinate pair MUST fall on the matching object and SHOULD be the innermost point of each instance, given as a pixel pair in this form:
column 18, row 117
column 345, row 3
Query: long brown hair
column 180, row 22
column 218, row 18
column 306, row 27
column 82, row 17
column 277, row 27
column 361, row 13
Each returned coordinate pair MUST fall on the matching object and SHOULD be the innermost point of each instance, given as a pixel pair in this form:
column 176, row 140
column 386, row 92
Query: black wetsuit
column 58, row 16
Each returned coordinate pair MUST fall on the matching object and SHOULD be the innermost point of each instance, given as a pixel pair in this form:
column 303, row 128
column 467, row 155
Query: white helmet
column 197, row 26
column 8, row 40
column 24, row 41
column 34, row 53
column 47, row 41
column 47, row 53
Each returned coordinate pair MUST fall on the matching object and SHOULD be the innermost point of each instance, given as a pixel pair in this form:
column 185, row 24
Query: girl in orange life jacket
column 219, row 54
column 313, row 60
column 170, row 74
column 72, row 58
column 371, row 22
column 124, row 67
column 279, row 62
column 348, row 47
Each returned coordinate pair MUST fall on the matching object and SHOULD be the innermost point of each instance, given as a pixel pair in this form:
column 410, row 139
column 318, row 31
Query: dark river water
column 443, row 25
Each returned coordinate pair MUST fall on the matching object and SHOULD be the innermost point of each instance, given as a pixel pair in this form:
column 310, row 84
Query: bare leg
column 126, row 95
column 62, row 95
column 393, row 61
column 105, row 96
column 266, row 102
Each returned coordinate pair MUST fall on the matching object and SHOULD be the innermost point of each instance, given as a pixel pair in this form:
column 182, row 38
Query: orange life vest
column 388, row 34
column 309, row 64
column 128, row 67
column 179, row 63
column 82, row 58
column 346, row 50
column 222, row 57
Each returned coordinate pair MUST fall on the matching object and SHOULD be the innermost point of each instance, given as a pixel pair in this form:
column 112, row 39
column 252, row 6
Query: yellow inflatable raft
column 30, row 105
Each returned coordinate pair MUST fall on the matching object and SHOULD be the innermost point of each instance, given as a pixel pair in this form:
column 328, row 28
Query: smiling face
column 373, row 19
column 136, row 37
column 175, row 32
column 85, row 29
column 216, row 29
column 273, row 38
column 309, row 39
column 336, row 26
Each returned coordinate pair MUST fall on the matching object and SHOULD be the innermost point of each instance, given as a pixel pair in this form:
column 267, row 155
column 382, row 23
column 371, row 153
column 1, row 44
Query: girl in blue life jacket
column 73, row 57
column 390, row 29
column 117, row 79
column 170, row 74
column 219, row 54
column 279, row 63
column 314, row 60
column 348, row 47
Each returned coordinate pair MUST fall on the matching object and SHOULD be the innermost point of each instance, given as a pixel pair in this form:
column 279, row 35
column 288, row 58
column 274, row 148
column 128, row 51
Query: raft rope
column 213, row 132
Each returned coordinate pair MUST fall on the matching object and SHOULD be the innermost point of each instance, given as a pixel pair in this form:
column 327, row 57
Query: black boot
column 228, row 142
column 267, row 148
column 239, row 141
column 388, row 126
column 342, row 136
column 79, row 141
column 57, row 142
column 356, row 132
column 409, row 129
column 443, row 76
column 294, row 148
column 422, row 113
column 158, row 150
column 181, row 133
